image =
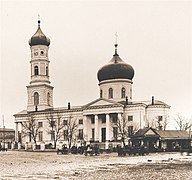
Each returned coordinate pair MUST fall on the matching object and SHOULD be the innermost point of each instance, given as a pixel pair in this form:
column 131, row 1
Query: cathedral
column 98, row 121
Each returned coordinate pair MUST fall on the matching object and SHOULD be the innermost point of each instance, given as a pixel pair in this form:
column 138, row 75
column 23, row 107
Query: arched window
column 47, row 71
column 123, row 92
column 36, row 98
column 48, row 98
column 36, row 70
column 101, row 93
column 110, row 93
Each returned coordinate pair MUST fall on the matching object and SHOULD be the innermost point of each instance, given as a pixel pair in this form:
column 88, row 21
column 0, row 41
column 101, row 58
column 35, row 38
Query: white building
column 95, row 120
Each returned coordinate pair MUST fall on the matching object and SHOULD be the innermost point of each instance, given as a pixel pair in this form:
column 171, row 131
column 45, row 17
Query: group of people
column 89, row 149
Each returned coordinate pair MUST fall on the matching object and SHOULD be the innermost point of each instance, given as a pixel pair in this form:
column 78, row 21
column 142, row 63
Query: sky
column 154, row 37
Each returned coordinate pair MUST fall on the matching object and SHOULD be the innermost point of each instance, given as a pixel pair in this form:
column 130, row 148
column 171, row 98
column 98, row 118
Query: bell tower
column 40, row 92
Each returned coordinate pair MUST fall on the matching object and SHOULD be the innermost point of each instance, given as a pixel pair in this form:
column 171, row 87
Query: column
column 119, row 117
column 42, row 146
column 107, row 127
column 96, row 128
column 85, row 127
column 12, row 145
column 16, row 132
column 107, row 131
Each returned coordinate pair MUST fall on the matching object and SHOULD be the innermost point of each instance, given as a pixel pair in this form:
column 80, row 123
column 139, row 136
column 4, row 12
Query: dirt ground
column 48, row 165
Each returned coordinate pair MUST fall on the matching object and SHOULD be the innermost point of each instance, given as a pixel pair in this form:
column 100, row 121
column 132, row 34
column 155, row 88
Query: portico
column 99, row 121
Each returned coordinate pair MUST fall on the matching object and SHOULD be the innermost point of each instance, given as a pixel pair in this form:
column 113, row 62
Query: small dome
column 39, row 38
column 116, row 69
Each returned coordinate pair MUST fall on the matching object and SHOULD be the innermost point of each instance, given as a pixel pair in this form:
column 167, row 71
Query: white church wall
column 138, row 114
column 117, row 86
column 153, row 113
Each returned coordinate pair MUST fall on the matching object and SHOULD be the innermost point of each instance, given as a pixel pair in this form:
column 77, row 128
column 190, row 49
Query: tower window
column 36, row 70
column 101, row 93
column 36, row 98
column 47, row 71
column 42, row 52
column 110, row 93
column 123, row 92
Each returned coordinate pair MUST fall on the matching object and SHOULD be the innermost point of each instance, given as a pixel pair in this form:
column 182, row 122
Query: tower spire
column 116, row 44
column 39, row 21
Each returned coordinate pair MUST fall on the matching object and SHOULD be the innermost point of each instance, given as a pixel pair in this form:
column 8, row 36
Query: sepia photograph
column 93, row 89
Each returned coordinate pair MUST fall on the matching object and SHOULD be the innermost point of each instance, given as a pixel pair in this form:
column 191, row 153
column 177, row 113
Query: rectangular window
column 80, row 135
column 92, row 119
column 40, row 124
column 130, row 118
column 52, row 135
column 130, row 130
column 65, row 134
column 93, row 134
column 113, row 117
column 64, row 122
column 52, row 123
column 80, row 121
column 160, row 118
column 102, row 117
column 29, row 136
column 40, row 135
column 115, row 133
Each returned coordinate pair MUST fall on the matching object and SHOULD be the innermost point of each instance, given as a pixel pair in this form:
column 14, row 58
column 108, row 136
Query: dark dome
column 39, row 38
column 116, row 69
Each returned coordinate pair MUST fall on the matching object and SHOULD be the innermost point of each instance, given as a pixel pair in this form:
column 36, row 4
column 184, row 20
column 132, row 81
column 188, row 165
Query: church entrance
column 103, row 134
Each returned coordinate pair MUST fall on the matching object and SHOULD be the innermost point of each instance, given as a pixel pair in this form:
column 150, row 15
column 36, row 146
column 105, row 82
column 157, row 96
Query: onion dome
column 39, row 38
column 116, row 69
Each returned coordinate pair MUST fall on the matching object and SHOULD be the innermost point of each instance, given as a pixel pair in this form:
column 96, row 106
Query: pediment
column 102, row 102
column 150, row 132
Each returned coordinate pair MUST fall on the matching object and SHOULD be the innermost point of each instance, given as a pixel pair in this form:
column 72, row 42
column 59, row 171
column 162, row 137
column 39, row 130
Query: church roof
column 39, row 38
column 173, row 134
column 116, row 69
column 163, row 134
column 147, row 104
column 142, row 132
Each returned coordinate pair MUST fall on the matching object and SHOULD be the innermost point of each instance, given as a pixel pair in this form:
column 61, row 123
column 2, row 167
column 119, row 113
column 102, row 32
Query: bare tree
column 159, row 123
column 136, row 127
column 122, row 128
column 183, row 123
column 71, row 126
column 56, row 126
column 30, row 128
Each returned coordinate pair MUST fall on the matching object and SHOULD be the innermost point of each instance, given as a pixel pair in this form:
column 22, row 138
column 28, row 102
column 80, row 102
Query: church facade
column 97, row 121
